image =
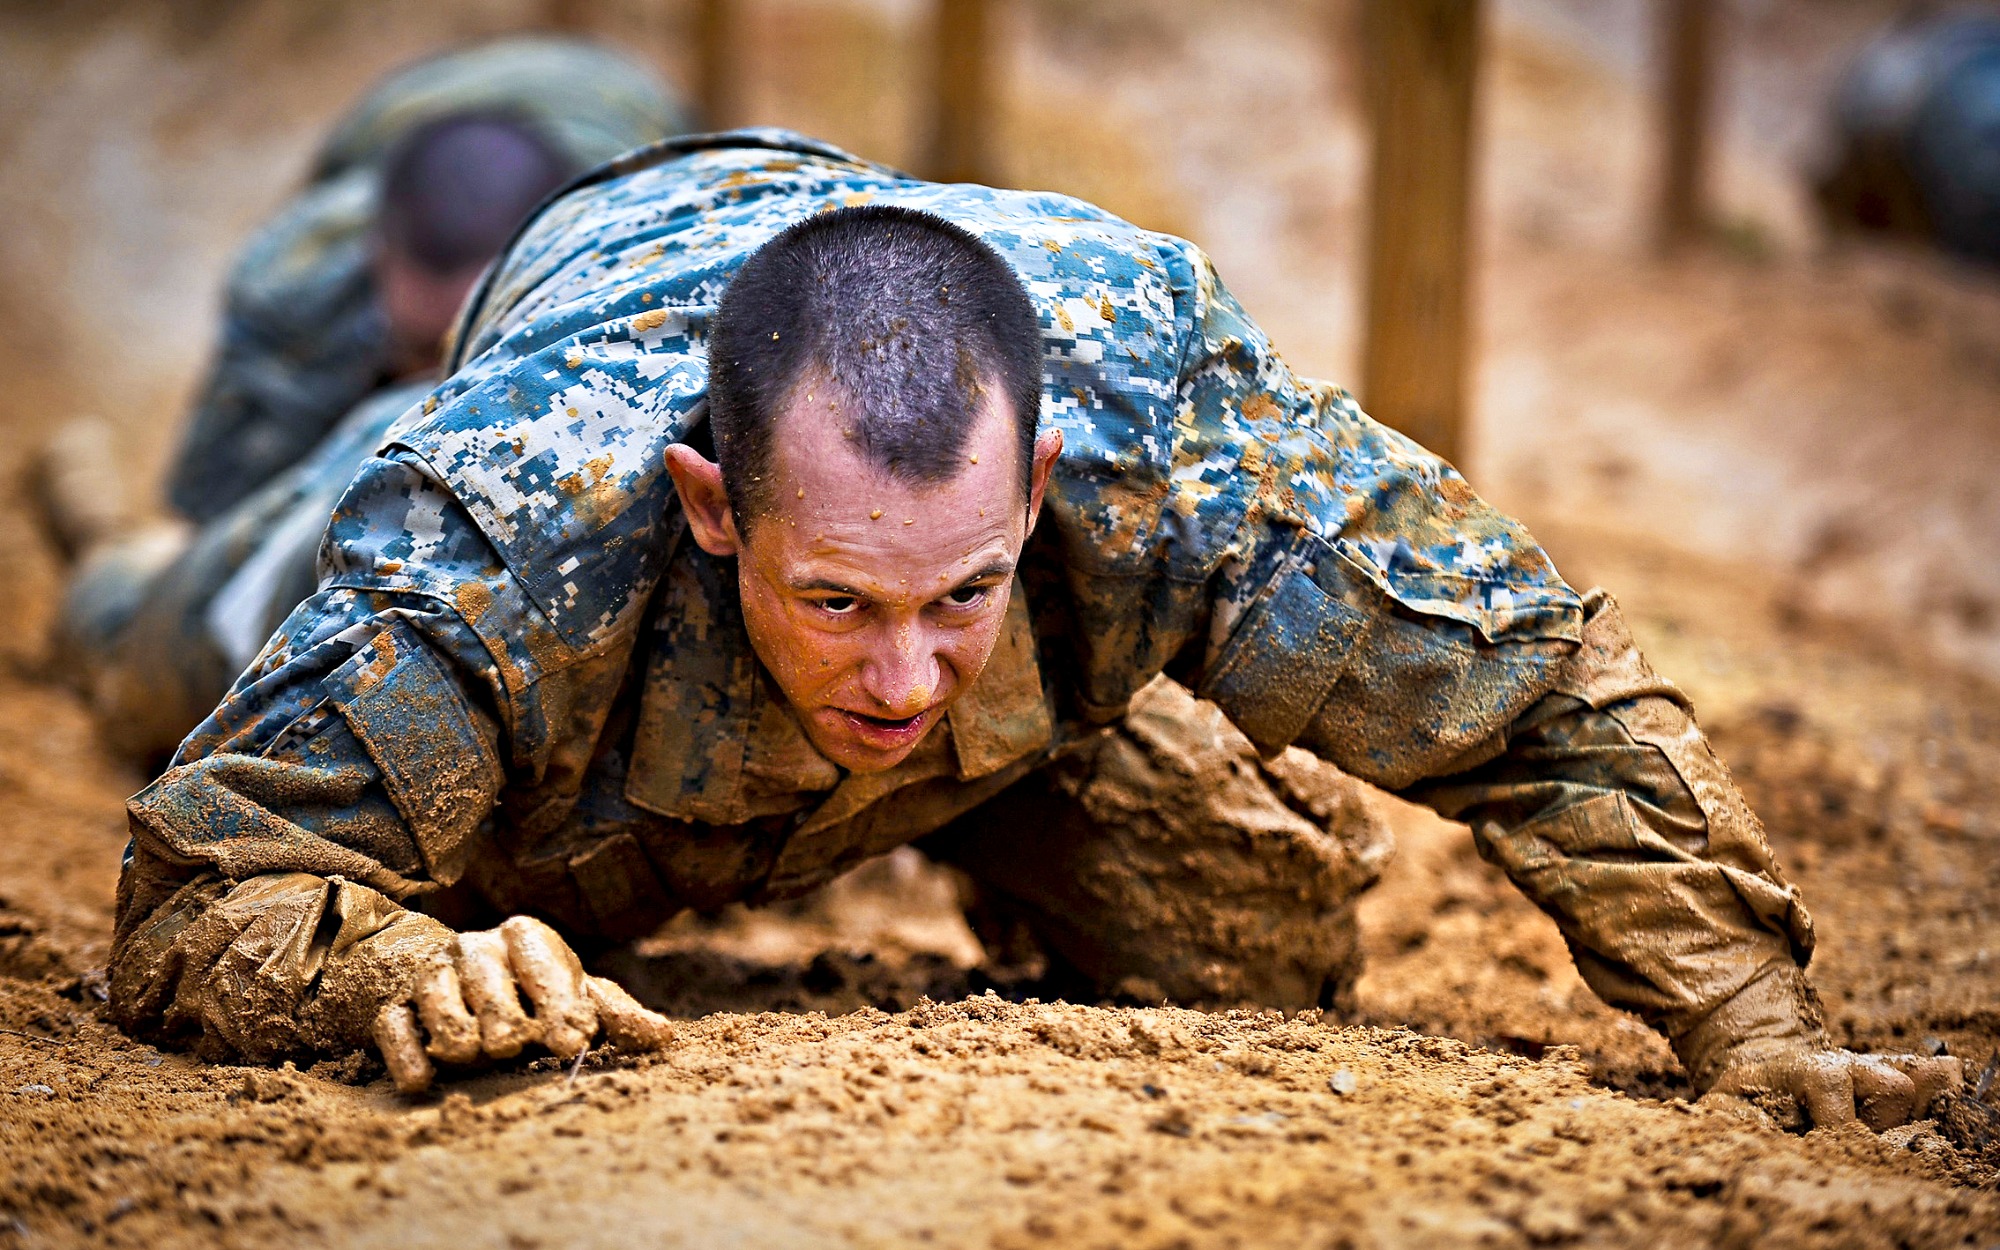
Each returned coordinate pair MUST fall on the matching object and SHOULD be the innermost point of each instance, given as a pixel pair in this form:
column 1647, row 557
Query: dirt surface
column 795, row 1109
column 1775, row 456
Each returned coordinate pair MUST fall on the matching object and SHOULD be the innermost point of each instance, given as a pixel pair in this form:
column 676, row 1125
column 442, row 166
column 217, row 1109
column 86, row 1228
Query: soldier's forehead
column 821, row 466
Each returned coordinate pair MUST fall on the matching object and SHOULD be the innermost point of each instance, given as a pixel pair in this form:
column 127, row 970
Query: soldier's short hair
column 455, row 189
column 901, row 318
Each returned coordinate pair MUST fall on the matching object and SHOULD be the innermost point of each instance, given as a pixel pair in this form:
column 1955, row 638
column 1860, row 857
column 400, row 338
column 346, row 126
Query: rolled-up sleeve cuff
column 437, row 767
column 1292, row 646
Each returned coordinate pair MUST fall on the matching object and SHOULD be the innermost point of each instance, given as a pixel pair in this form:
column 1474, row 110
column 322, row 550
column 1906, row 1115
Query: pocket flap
column 437, row 766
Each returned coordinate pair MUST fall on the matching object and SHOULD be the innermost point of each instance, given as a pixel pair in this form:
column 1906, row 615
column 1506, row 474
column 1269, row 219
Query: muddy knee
column 1169, row 861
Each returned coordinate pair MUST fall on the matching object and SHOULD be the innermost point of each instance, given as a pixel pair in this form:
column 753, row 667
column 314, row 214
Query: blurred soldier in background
column 334, row 319
column 1918, row 126
column 320, row 313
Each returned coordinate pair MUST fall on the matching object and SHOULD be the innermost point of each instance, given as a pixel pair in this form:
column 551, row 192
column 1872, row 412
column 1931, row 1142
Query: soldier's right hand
column 468, row 1005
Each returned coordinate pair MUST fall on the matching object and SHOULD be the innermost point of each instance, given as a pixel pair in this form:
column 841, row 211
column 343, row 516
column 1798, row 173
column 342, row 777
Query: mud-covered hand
column 1766, row 1048
column 468, row 1004
column 1832, row 1086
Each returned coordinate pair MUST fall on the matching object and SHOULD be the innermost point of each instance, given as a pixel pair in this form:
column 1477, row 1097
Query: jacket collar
column 718, row 745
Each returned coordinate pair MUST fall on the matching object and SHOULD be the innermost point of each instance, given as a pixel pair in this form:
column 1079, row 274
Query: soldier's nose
column 904, row 677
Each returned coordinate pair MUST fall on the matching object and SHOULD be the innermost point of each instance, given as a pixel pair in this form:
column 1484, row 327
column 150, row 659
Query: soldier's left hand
column 1832, row 1086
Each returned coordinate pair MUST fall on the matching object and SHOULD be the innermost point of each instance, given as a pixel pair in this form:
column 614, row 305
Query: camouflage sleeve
column 1608, row 809
column 350, row 770
column 1374, row 610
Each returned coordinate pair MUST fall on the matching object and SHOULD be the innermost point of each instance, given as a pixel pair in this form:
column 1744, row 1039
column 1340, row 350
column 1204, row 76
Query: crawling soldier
column 781, row 510
column 332, row 326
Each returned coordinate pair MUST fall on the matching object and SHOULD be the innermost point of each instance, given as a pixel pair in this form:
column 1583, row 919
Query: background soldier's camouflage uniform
column 155, row 628
column 519, row 687
column 299, row 394
column 302, row 337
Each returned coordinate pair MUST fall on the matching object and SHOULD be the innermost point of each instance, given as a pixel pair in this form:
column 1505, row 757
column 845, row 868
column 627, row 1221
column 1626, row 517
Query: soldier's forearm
column 1609, row 810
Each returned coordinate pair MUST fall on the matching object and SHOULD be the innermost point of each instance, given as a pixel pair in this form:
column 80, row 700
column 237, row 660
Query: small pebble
column 1342, row 1083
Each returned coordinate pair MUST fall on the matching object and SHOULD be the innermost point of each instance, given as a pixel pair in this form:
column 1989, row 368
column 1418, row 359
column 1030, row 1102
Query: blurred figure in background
column 1917, row 120
column 335, row 317
column 311, row 323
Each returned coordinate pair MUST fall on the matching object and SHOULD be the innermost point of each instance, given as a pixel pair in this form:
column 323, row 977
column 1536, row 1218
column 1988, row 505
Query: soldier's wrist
column 370, row 974
column 1777, row 1011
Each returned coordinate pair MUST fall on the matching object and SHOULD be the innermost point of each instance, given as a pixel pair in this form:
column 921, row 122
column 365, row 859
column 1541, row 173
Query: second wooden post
column 716, row 62
column 1424, row 56
column 1684, row 109
column 961, row 114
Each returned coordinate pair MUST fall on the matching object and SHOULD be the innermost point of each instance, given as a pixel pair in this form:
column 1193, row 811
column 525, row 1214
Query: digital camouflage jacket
column 302, row 337
column 518, row 679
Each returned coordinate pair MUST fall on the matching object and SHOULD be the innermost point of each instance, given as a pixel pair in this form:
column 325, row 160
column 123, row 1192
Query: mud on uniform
column 521, row 684
column 299, row 392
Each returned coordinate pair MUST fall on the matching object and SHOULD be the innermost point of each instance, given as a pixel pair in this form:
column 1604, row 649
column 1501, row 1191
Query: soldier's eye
column 966, row 596
column 840, row 605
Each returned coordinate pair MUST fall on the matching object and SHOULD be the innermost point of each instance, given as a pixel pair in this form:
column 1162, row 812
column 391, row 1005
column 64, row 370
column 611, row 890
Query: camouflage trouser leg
column 129, row 641
column 139, row 632
column 1166, row 860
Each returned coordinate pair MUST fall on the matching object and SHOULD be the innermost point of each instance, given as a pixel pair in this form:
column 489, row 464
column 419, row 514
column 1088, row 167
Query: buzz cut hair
column 902, row 320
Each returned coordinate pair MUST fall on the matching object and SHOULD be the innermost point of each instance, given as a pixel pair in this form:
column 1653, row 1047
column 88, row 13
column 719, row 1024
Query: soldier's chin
column 869, row 744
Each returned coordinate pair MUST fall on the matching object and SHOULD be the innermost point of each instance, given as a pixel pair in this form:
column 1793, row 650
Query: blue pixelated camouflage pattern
column 518, row 679
column 302, row 339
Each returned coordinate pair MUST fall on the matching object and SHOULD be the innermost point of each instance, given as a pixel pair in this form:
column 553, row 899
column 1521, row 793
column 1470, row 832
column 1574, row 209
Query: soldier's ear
column 698, row 481
column 1048, row 450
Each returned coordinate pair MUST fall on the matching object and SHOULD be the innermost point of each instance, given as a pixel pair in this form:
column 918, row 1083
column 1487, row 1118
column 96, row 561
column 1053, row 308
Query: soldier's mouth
column 884, row 731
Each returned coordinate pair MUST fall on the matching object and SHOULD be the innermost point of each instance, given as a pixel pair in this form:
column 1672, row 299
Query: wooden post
column 1425, row 55
column 564, row 15
column 716, row 65
column 1685, row 35
column 1685, row 27
column 961, row 97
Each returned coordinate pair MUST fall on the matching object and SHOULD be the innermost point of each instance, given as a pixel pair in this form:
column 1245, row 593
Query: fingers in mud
column 485, row 974
column 552, row 977
column 440, row 1003
column 628, row 1025
column 402, row 1049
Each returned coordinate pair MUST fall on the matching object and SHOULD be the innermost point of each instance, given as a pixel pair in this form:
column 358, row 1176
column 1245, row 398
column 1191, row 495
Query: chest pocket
column 699, row 702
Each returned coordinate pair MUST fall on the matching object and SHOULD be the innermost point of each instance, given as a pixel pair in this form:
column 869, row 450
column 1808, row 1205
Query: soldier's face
column 873, row 603
column 420, row 307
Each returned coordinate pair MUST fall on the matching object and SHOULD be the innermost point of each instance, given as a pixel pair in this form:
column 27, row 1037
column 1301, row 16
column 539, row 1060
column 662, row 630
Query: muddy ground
column 1775, row 454
column 815, row 1095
